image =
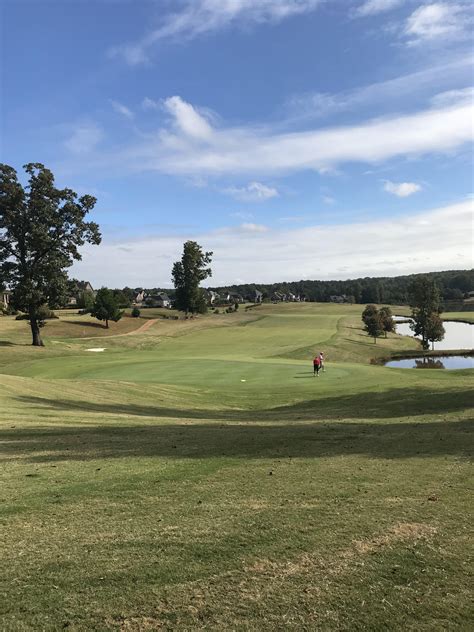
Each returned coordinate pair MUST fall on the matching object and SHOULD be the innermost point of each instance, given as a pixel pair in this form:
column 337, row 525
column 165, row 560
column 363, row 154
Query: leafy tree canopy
column 187, row 274
column 41, row 230
column 106, row 306
column 425, row 300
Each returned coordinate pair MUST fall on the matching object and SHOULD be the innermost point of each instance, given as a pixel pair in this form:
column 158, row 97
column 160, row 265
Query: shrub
column 44, row 313
column 135, row 312
column 216, row 311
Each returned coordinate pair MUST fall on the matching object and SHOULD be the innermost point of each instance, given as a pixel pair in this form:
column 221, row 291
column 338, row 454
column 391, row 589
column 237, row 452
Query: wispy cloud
column 373, row 7
column 121, row 109
column 453, row 96
column 439, row 21
column 242, row 215
column 253, row 192
column 192, row 146
column 84, row 139
column 198, row 17
column 263, row 254
column 392, row 91
column 401, row 189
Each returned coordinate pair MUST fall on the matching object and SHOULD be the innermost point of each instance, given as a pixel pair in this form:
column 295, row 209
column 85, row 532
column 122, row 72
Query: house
column 158, row 300
column 279, row 297
column 140, row 297
column 294, row 298
column 79, row 288
column 255, row 297
column 84, row 286
column 211, row 296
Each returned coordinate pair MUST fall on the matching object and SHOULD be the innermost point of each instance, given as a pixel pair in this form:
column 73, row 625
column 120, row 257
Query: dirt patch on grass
column 305, row 563
column 262, row 582
column 402, row 532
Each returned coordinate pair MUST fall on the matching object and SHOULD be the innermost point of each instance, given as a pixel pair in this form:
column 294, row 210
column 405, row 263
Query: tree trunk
column 106, row 323
column 35, row 331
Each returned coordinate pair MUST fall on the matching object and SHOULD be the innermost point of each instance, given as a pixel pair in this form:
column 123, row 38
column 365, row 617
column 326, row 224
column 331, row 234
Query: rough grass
column 464, row 317
column 149, row 488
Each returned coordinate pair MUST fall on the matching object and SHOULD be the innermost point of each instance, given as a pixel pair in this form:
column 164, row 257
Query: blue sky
column 294, row 138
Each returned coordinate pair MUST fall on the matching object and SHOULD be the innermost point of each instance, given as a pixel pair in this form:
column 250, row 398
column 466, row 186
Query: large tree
column 107, row 306
column 187, row 275
column 434, row 329
column 425, row 301
column 369, row 312
column 41, row 230
column 374, row 326
column 388, row 323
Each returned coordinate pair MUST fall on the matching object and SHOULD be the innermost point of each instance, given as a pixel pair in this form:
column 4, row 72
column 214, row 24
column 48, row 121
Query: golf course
column 194, row 474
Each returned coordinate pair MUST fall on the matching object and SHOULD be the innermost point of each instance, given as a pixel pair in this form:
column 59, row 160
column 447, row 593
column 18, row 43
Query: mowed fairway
column 197, row 476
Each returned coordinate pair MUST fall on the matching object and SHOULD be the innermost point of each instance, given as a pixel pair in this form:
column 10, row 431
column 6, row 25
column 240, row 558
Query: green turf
column 467, row 317
column 148, row 487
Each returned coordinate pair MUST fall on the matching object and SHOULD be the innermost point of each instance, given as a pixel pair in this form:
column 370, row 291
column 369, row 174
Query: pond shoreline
column 408, row 355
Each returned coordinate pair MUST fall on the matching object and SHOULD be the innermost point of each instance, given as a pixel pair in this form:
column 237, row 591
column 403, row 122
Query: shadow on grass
column 394, row 403
column 314, row 440
column 6, row 343
column 86, row 324
column 308, row 429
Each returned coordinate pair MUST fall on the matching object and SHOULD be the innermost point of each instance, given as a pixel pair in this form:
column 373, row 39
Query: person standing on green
column 316, row 365
column 321, row 361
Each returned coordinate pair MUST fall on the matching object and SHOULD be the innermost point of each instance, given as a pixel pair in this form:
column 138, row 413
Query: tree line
column 453, row 285
column 43, row 227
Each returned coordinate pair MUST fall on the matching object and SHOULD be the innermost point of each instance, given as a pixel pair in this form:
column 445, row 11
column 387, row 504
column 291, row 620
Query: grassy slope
column 467, row 317
column 149, row 486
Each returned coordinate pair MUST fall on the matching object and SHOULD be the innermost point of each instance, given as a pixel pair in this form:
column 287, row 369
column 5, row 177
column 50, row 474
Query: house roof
column 83, row 285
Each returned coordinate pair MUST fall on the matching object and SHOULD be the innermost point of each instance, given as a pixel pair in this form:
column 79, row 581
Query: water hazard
column 434, row 362
column 457, row 336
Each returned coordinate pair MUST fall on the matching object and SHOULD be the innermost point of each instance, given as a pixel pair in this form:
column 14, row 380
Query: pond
column 457, row 335
column 434, row 362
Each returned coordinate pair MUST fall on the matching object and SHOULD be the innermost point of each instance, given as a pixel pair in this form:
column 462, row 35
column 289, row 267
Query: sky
column 296, row 139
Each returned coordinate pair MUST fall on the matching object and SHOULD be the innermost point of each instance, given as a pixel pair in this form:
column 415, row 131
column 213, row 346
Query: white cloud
column 122, row 109
column 253, row 192
column 393, row 91
column 187, row 119
column 253, row 228
column 84, row 139
column 242, row 215
column 401, row 189
column 453, row 96
column 327, row 199
column 373, row 7
column 198, row 17
column 194, row 147
column 257, row 254
column 439, row 21
column 150, row 104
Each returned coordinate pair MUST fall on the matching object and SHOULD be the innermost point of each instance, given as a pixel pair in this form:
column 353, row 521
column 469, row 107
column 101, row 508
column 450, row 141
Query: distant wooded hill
column 454, row 285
